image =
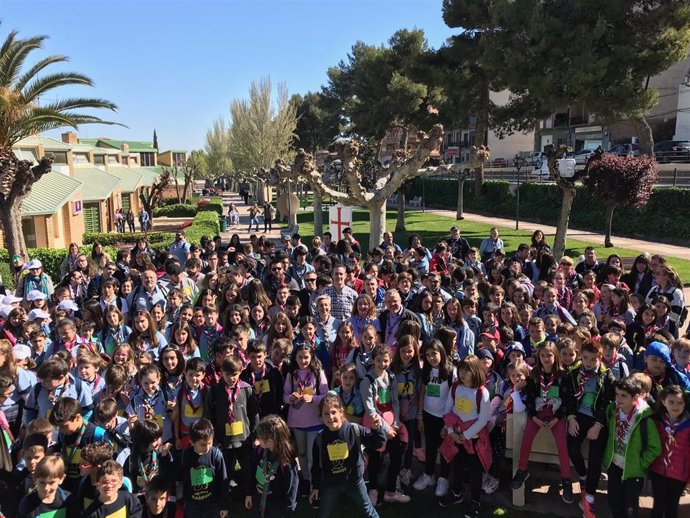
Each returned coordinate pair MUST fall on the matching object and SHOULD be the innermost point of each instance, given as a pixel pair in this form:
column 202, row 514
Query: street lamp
column 518, row 162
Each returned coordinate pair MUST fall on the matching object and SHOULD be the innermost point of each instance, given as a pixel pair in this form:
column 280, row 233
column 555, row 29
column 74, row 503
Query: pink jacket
column 449, row 449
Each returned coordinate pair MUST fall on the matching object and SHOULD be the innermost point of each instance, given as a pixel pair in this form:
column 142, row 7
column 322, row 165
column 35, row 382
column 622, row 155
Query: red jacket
column 438, row 264
column 679, row 465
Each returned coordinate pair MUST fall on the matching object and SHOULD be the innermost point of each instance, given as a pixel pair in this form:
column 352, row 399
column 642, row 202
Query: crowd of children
column 174, row 384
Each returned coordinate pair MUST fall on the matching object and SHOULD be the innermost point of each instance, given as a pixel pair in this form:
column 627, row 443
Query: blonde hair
column 50, row 468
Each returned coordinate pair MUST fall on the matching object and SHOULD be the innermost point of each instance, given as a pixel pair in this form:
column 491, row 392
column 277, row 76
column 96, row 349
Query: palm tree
column 21, row 116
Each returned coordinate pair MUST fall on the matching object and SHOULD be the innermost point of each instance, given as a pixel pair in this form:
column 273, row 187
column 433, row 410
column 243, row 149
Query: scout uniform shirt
column 71, row 451
column 32, row 507
column 155, row 408
column 204, row 477
column 126, row 505
column 268, row 384
column 41, row 401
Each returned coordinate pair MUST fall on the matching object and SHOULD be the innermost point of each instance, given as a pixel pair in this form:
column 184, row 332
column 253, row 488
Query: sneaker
column 451, row 499
column 396, row 497
column 405, row 476
column 374, row 496
column 442, row 486
column 567, row 491
column 519, row 479
column 489, row 484
column 587, row 508
column 423, row 482
column 420, row 454
column 472, row 511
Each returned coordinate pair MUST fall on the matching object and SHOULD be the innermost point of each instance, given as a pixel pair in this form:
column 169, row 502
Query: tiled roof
column 131, row 179
column 50, row 193
column 134, row 146
column 149, row 173
column 97, row 184
column 50, row 144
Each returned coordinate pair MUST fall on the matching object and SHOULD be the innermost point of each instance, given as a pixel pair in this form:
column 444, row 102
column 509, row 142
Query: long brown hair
column 10, row 366
column 538, row 368
column 274, row 428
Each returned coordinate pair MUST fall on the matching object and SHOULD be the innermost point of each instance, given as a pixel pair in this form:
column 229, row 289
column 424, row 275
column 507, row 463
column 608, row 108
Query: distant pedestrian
column 268, row 217
column 130, row 220
column 254, row 217
column 119, row 220
column 144, row 220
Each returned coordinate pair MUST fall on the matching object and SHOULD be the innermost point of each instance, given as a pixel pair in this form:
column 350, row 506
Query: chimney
column 70, row 137
column 124, row 148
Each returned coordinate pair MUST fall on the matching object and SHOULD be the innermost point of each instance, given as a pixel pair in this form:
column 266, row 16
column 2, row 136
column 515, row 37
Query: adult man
column 176, row 278
column 388, row 241
column 458, row 245
column 434, row 286
column 180, row 248
column 342, row 296
column 300, row 267
column 144, row 219
column 34, row 280
column 147, row 295
column 491, row 245
column 307, row 292
column 276, row 277
column 326, row 241
column 590, row 263
column 268, row 217
column 212, row 264
column 347, row 236
column 522, row 256
column 297, row 243
column 193, row 269
column 394, row 314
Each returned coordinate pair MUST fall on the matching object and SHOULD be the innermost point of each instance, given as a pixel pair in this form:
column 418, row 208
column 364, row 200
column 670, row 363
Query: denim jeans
column 356, row 490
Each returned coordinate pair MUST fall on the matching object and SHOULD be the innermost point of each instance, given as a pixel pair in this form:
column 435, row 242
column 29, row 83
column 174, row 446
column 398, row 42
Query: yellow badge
column 120, row 513
column 464, row 406
column 159, row 420
column 338, row 451
column 308, row 391
column 405, row 389
column 262, row 387
column 234, row 428
column 189, row 411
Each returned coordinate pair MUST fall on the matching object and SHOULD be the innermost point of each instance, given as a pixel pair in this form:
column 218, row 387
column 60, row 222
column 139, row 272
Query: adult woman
column 538, row 240
column 640, row 277
column 74, row 282
column 670, row 286
column 573, row 280
column 99, row 257
column 130, row 220
column 546, row 265
column 69, row 263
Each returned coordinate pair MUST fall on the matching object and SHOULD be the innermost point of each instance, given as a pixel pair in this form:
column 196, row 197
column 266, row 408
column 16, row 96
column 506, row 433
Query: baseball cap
column 494, row 335
column 34, row 263
column 5, row 310
column 21, row 352
column 35, row 314
column 8, row 300
column 68, row 305
column 484, row 353
column 35, row 295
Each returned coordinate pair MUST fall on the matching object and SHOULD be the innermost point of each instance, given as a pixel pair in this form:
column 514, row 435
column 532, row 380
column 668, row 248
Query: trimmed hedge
column 204, row 224
column 178, row 210
column 109, row 238
column 664, row 217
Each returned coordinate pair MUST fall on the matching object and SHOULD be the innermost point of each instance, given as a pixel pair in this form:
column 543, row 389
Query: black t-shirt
column 32, row 507
column 168, row 511
column 125, row 505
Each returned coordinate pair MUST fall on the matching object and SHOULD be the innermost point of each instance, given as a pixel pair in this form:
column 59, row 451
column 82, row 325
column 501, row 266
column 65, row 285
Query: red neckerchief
column 263, row 374
column 584, row 377
column 232, row 397
column 302, row 383
column 670, row 442
column 148, row 403
column 545, row 387
column 96, row 381
column 622, row 426
column 613, row 360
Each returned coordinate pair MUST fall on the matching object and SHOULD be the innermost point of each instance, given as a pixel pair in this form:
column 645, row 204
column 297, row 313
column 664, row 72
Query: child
column 222, row 349
column 182, row 337
column 88, row 365
column 349, row 395
column 280, row 355
column 466, row 416
column 567, row 353
column 465, row 335
column 112, row 500
column 190, row 402
column 437, row 376
column 587, row 392
column 240, row 337
column 670, row 472
column 150, row 402
column 232, row 408
column 172, row 366
column 34, row 448
column 657, row 356
column 407, row 373
column 681, row 355
column 305, row 386
column 259, row 320
column 633, row 444
column 545, row 411
column 615, row 362
column 265, row 378
column 550, row 306
column 307, row 331
column 75, row 433
column 338, row 465
column 209, row 332
column 380, row 397
column 361, row 356
column 148, row 456
column 92, row 457
column 274, row 494
column 155, row 501
column 536, row 337
column 203, row 472
column 116, row 386
column 49, row 498
column 344, row 344
column 115, row 426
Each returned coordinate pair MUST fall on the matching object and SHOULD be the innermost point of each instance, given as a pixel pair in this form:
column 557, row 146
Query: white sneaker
column 374, row 496
column 396, row 497
column 405, row 476
column 442, row 487
column 489, row 484
column 423, row 482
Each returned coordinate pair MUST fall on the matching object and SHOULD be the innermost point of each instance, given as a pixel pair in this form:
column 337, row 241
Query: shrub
column 205, row 223
column 133, row 237
column 178, row 210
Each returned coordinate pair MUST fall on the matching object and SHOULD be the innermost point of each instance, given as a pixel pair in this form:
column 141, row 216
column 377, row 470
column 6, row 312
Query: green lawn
column 433, row 227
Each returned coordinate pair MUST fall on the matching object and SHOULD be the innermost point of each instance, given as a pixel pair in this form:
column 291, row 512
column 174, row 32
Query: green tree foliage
column 318, row 121
column 217, row 150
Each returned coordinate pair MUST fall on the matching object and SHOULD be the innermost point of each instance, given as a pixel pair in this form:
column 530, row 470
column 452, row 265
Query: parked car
column 672, row 151
column 566, row 167
column 534, row 158
column 582, row 156
column 499, row 162
column 624, row 150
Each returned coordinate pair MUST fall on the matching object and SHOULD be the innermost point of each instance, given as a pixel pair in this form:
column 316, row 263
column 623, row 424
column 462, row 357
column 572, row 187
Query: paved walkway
column 241, row 229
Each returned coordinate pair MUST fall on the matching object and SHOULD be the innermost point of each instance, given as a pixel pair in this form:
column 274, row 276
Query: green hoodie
column 638, row 457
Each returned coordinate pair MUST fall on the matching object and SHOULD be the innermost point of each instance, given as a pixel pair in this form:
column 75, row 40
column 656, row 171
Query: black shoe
column 519, row 479
column 316, row 503
column 567, row 491
column 451, row 499
column 472, row 511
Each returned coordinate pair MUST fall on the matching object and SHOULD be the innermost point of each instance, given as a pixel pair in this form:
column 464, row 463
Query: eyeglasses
column 276, row 269
column 310, row 280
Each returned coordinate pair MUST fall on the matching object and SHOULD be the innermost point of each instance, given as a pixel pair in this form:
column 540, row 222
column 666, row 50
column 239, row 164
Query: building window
column 80, row 158
column 99, row 159
column 59, row 157
column 112, row 159
column 179, row 158
column 147, row 159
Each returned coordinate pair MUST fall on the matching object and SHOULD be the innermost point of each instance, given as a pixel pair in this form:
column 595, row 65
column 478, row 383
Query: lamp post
column 518, row 162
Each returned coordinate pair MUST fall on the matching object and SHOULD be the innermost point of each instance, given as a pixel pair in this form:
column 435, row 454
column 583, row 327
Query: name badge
column 464, row 406
column 338, row 451
column 234, row 428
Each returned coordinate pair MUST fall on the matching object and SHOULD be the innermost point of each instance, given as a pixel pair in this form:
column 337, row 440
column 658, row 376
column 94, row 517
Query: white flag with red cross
column 339, row 218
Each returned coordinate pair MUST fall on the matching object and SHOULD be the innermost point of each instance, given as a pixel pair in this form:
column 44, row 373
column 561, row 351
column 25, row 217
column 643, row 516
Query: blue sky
column 176, row 65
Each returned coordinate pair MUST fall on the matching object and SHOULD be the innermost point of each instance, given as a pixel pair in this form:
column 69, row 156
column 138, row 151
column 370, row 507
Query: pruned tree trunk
column 400, row 223
column 259, row 194
column 318, row 214
column 377, row 209
column 11, row 219
column 609, row 223
column 461, row 200
column 644, row 134
column 479, row 141
column 563, row 220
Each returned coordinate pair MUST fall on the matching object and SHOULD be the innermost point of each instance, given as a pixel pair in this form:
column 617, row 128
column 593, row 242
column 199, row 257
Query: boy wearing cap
column 459, row 247
column 657, row 356
column 34, row 280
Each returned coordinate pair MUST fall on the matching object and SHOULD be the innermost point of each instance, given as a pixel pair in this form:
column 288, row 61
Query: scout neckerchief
column 256, row 378
column 613, row 360
column 346, row 403
column 149, row 469
column 622, row 427
column 188, row 398
column 583, row 377
column 95, row 383
column 670, row 443
column 172, row 383
column 360, row 323
column 406, row 372
column 57, row 392
column 657, row 380
column 302, row 383
column 509, row 399
column 232, row 397
column 75, row 445
column 269, row 470
column 545, row 387
column 148, row 403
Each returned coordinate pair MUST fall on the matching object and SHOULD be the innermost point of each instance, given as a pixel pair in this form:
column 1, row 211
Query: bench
column 543, row 449
column 415, row 202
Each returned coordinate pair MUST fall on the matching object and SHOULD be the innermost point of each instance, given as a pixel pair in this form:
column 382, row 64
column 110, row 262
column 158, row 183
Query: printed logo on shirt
column 120, row 513
column 55, row 513
column 337, row 452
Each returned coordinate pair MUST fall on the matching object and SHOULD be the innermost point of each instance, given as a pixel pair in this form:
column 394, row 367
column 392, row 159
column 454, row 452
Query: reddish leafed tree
column 621, row 181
